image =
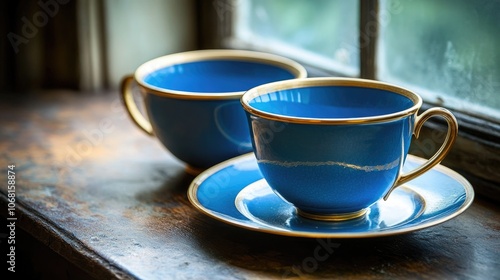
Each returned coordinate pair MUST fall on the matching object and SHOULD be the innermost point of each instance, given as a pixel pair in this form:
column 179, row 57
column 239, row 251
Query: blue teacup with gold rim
column 192, row 100
column 332, row 147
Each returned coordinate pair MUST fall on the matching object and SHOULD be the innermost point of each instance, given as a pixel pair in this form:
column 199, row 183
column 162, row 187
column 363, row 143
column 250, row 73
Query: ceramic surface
column 235, row 193
column 219, row 75
column 192, row 100
column 320, row 142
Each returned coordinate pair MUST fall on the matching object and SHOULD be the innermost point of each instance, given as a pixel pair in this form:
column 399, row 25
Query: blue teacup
column 332, row 147
column 192, row 100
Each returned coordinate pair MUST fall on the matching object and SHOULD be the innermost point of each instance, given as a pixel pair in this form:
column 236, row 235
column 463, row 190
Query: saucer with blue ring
column 235, row 193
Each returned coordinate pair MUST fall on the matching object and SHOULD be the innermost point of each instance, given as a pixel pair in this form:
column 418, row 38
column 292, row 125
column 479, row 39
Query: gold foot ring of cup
column 333, row 217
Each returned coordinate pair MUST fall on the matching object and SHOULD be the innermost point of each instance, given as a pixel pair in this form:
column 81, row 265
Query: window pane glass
column 448, row 51
column 321, row 32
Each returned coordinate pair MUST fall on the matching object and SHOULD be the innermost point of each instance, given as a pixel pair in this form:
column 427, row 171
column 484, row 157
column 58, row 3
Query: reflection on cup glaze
column 229, row 118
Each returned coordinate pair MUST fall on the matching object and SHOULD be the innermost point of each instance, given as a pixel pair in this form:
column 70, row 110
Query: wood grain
column 112, row 202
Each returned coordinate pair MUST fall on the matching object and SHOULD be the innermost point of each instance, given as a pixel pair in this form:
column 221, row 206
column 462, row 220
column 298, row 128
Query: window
column 321, row 32
column 447, row 51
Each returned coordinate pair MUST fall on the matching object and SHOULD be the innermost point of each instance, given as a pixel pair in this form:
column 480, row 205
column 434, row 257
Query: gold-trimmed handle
column 133, row 111
column 451, row 135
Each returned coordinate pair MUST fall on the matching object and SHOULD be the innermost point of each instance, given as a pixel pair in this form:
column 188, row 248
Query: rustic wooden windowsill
column 112, row 203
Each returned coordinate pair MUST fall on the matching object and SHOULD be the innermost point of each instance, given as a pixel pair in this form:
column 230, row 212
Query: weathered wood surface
column 112, row 201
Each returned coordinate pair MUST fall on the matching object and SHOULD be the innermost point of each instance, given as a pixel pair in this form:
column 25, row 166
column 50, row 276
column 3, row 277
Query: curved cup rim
column 329, row 81
column 150, row 66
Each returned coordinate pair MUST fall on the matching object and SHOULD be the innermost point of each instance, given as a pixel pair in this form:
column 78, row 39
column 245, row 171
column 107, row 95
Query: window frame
column 475, row 154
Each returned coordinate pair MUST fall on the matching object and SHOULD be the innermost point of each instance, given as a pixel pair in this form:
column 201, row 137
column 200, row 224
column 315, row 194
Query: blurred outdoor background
column 448, row 51
column 445, row 50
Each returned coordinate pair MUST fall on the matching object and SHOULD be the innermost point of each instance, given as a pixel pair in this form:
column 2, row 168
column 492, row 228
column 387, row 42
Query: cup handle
column 451, row 135
column 131, row 106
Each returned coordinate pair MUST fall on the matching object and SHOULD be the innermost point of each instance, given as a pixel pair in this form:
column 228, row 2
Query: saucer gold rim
column 250, row 225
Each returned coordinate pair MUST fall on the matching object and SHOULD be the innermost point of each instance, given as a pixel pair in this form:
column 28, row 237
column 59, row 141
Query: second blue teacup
column 332, row 147
column 192, row 100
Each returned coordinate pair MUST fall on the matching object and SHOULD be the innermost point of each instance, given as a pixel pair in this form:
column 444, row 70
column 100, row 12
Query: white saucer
column 235, row 192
